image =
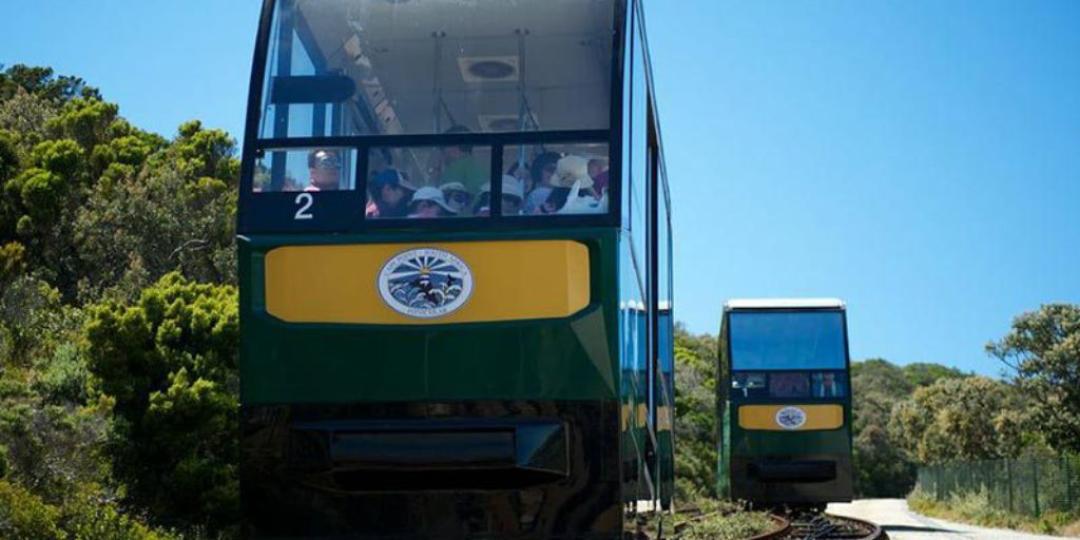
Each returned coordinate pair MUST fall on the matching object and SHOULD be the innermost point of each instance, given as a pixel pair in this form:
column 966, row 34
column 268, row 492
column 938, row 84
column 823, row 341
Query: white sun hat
column 513, row 187
column 431, row 194
column 572, row 170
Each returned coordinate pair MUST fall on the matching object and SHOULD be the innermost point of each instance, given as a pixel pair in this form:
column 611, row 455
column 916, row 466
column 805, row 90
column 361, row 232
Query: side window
column 427, row 182
column 562, row 179
column 828, row 384
column 305, row 169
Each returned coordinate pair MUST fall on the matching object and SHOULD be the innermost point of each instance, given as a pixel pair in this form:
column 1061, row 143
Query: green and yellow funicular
column 784, row 402
column 455, row 272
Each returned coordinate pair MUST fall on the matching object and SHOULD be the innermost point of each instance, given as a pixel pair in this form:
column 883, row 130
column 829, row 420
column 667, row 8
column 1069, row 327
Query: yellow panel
column 511, row 281
column 815, row 417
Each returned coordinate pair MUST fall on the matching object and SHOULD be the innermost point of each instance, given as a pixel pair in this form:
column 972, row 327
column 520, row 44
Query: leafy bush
column 169, row 361
column 974, row 507
column 90, row 515
column 64, row 377
column 24, row 516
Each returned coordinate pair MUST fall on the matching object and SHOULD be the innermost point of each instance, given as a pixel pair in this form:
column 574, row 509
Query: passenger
column 543, row 167
column 390, row 193
column 513, row 196
column 457, row 197
column 460, row 166
column 324, row 167
column 520, row 171
column 428, row 203
column 555, row 200
column 599, row 172
column 482, row 207
column 572, row 174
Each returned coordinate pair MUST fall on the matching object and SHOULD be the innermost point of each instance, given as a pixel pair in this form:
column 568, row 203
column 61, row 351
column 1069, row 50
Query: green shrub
column 169, row 361
column 974, row 507
column 63, row 378
column 24, row 516
column 92, row 516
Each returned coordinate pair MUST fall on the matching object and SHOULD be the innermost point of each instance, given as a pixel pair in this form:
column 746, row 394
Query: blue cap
column 391, row 177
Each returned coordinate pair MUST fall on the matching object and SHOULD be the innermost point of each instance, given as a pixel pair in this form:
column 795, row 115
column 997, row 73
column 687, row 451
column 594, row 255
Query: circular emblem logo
column 791, row 417
column 425, row 283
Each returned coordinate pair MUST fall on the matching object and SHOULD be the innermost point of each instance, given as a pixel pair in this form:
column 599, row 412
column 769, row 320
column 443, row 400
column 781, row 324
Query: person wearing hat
column 457, row 197
column 428, row 203
column 573, row 193
column 324, row 168
column 390, row 193
column 513, row 196
column 482, row 206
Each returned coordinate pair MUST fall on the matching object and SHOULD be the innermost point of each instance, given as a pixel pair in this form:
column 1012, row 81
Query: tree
column 695, row 414
column 169, row 362
column 955, row 419
column 882, row 469
column 1043, row 349
column 43, row 83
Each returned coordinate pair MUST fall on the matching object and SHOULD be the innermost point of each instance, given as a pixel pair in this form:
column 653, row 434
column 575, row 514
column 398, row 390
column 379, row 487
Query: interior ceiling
column 567, row 60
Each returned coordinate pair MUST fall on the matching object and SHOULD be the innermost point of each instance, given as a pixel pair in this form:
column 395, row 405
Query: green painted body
column 740, row 450
column 752, row 446
column 344, row 378
column 562, row 359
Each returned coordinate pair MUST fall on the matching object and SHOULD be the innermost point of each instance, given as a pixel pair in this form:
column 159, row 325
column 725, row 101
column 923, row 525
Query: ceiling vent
column 484, row 69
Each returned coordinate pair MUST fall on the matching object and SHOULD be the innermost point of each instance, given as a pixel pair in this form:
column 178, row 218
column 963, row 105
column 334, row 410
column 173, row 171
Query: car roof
column 784, row 303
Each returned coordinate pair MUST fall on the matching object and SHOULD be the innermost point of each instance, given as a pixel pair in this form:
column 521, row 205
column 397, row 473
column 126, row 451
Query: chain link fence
column 1027, row 486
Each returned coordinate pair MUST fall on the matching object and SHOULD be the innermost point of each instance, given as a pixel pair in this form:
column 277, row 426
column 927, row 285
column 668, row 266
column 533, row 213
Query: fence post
column 937, row 469
column 1035, row 480
column 1068, row 484
column 1008, row 477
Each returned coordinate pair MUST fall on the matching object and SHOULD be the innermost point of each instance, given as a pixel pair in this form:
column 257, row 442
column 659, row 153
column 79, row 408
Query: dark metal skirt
column 433, row 470
column 795, row 479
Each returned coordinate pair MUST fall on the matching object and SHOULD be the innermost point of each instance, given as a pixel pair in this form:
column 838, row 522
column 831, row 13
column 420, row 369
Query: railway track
column 821, row 526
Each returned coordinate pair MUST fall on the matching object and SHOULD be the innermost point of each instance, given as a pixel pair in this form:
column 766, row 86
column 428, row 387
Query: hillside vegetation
column 118, row 320
column 119, row 336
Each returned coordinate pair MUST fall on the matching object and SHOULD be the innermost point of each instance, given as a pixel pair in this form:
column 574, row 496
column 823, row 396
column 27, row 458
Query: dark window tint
column 745, row 385
column 789, row 385
column 787, row 340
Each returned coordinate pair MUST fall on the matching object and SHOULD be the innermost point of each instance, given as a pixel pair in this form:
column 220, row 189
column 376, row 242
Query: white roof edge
column 782, row 303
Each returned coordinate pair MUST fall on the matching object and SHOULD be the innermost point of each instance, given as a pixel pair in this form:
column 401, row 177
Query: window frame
column 844, row 340
column 267, row 213
column 725, row 389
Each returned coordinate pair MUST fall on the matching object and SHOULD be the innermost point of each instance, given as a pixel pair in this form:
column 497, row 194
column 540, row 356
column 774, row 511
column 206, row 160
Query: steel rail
column 821, row 526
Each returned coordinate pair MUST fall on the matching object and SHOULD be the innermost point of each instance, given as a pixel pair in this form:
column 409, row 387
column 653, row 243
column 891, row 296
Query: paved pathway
column 903, row 524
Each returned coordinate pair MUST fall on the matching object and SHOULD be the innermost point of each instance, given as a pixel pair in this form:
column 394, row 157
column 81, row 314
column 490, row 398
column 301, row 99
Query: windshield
column 787, row 340
column 379, row 67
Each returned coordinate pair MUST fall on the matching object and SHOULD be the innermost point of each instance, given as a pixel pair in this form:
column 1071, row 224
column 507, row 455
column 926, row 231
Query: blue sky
column 919, row 159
